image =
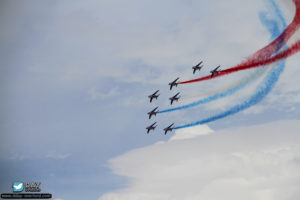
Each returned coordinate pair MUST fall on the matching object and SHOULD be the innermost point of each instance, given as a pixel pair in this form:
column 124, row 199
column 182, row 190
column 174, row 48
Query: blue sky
column 75, row 79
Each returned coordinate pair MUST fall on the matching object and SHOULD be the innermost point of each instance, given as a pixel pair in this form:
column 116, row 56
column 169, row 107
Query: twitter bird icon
column 18, row 186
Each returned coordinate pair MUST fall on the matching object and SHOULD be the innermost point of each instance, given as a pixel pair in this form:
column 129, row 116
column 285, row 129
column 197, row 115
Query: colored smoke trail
column 245, row 80
column 222, row 94
column 280, row 56
column 262, row 57
column 261, row 91
column 274, row 29
column 282, row 39
column 268, row 83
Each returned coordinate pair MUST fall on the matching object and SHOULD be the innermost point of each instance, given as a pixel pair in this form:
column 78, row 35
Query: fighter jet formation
column 176, row 97
column 153, row 112
column 169, row 128
column 151, row 127
column 154, row 96
column 173, row 83
column 197, row 67
column 215, row 71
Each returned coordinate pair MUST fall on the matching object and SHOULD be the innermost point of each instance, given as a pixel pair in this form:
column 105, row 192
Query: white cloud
column 252, row 163
column 191, row 132
column 255, row 110
column 57, row 156
column 162, row 41
column 17, row 156
column 96, row 94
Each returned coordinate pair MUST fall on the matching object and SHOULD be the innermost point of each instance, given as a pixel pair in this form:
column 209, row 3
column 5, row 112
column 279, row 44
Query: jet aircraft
column 215, row 71
column 197, row 67
column 169, row 128
column 174, row 83
column 153, row 112
column 151, row 127
column 154, row 96
column 174, row 98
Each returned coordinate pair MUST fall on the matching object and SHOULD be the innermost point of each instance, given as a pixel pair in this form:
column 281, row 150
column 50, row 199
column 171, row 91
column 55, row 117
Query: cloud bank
column 260, row 162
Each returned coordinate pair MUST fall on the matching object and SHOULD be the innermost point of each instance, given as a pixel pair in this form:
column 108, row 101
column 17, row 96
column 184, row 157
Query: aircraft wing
column 199, row 64
column 174, row 81
column 170, row 126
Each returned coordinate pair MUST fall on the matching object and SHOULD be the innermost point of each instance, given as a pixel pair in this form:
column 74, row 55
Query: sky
column 75, row 76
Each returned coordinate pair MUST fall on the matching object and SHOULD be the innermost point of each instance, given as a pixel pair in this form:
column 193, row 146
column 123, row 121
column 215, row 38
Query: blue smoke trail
column 210, row 98
column 277, row 12
column 267, row 84
column 262, row 91
column 273, row 28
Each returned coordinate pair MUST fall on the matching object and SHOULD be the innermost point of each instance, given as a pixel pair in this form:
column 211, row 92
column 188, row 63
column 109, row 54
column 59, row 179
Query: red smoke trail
column 294, row 48
column 282, row 55
column 261, row 56
column 281, row 40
